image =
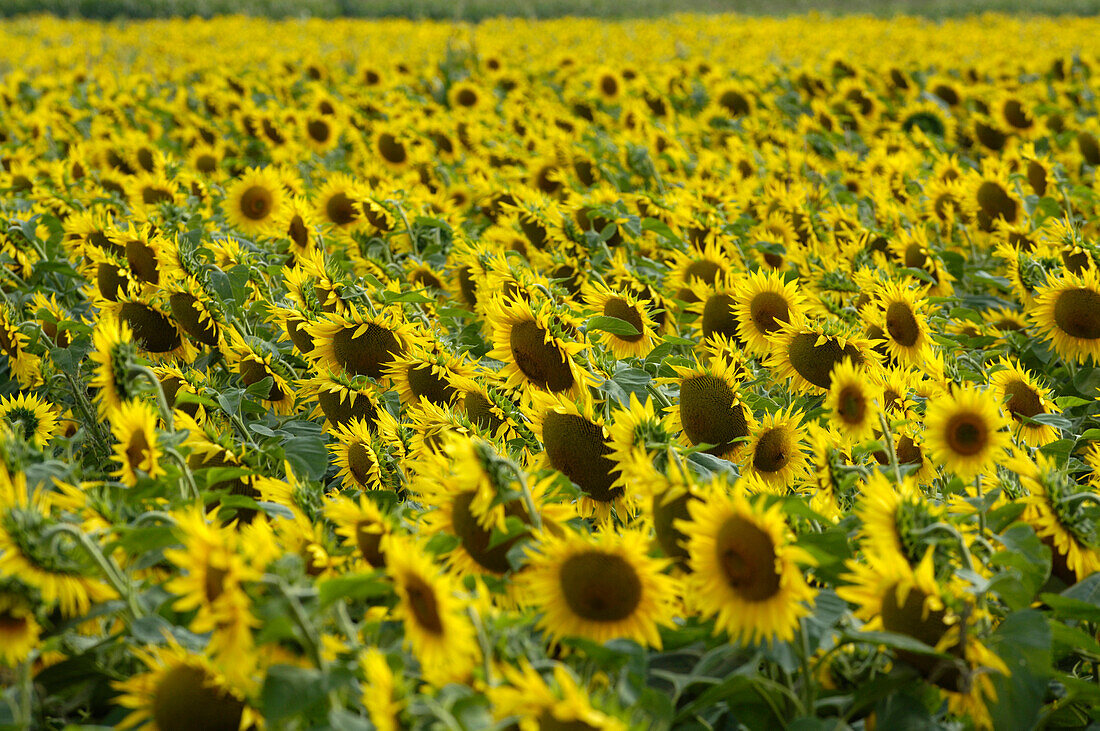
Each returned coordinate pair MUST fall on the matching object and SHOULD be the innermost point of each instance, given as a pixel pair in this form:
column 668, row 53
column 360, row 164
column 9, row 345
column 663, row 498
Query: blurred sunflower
column 180, row 690
column 134, row 425
column 436, row 625
column 254, row 200
column 35, row 419
column 745, row 569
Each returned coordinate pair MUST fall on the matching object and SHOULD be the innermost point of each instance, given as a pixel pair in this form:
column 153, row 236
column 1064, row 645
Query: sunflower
column 255, row 361
column 686, row 270
column 1063, row 518
column 900, row 313
column 181, row 690
column 966, row 432
column 362, row 526
column 710, row 410
column 485, row 406
column 380, row 691
column 532, row 345
column 154, row 331
column 473, row 497
column 340, row 398
column 851, row 404
column 297, row 223
column 624, row 306
column 426, row 370
column 35, row 419
column 764, row 302
column 254, row 200
column 575, row 443
column 358, row 344
column 1067, row 312
column 745, row 569
column 892, row 596
column 57, row 570
column 19, row 630
column 639, row 438
column 1024, row 397
column 192, row 311
column 534, row 703
column 895, row 516
column 134, row 425
column 337, row 203
column 436, row 625
column 26, row 367
column 807, row 355
column 600, row 587
column 775, row 453
column 212, row 576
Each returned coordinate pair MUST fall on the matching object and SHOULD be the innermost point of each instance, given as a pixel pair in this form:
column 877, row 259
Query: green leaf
column 289, row 691
column 1023, row 641
column 1064, row 607
column 307, row 455
column 894, row 641
column 612, row 325
column 1028, row 561
column 352, row 586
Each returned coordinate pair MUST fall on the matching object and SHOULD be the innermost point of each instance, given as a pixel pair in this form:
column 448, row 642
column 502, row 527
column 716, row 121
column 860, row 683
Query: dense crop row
column 566, row 375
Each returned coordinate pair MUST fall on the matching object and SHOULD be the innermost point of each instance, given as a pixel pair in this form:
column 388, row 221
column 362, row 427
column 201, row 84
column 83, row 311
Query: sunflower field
column 696, row 373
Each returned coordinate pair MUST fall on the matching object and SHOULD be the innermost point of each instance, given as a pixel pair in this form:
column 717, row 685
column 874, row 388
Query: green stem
column 111, row 570
column 891, row 448
column 190, row 487
column 309, row 633
column 162, row 400
column 483, row 640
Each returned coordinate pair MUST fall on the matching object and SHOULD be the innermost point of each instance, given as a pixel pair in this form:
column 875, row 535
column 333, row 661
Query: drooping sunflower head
column 256, row 362
column 357, row 343
column 341, row 398
column 807, row 354
column 537, row 352
column 180, row 690
column 576, row 443
column 426, row 370
column 710, row 410
column 154, row 331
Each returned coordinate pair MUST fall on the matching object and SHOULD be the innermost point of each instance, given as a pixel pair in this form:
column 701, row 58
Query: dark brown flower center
column 543, row 363
column 746, row 556
column 1077, row 313
column 184, row 699
column 576, row 448
column 600, row 587
column 256, row 203
column 709, row 415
